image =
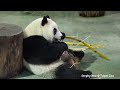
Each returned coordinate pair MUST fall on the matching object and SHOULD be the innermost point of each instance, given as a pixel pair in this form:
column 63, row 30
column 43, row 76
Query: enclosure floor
column 100, row 30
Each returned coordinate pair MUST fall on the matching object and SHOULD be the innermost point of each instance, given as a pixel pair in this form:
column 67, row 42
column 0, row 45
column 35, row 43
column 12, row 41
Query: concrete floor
column 102, row 30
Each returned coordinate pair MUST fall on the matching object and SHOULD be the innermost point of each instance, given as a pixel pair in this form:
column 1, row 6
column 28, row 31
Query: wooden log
column 11, row 59
column 91, row 13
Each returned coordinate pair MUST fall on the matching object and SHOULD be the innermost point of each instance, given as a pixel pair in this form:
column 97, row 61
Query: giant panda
column 43, row 47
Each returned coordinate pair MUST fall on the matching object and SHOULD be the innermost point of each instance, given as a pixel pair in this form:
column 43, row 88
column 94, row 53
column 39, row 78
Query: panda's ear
column 44, row 21
column 47, row 16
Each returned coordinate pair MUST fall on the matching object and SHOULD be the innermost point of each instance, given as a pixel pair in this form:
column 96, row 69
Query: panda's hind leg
column 65, row 72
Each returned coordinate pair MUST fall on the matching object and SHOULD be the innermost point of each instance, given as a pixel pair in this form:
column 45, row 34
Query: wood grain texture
column 11, row 39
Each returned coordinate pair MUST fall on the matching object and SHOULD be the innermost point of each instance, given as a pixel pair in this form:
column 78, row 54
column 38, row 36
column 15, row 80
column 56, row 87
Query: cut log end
column 9, row 29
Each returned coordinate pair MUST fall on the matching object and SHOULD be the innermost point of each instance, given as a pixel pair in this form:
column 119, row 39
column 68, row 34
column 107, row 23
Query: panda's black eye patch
column 55, row 31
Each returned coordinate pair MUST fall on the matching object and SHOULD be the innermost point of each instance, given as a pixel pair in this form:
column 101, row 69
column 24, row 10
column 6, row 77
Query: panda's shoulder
column 35, row 40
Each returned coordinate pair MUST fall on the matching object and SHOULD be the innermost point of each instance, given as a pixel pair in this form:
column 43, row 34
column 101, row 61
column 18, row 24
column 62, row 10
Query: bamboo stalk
column 90, row 47
column 84, row 48
column 81, row 44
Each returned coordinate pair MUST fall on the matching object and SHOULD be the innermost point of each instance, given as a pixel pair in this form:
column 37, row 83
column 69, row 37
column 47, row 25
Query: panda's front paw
column 79, row 54
column 64, row 46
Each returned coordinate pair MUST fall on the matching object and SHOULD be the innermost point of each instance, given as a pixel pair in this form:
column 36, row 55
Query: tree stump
column 91, row 13
column 11, row 59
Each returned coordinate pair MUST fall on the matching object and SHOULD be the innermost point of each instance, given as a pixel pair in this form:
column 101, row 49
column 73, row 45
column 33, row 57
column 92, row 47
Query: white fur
column 35, row 28
column 40, row 69
column 58, row 35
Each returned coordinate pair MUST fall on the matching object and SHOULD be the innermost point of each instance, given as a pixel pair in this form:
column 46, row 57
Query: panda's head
column 50, row 30
column 45, row 27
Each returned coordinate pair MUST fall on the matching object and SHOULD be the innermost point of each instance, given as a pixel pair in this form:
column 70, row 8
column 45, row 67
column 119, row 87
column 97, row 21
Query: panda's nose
column 63, row 35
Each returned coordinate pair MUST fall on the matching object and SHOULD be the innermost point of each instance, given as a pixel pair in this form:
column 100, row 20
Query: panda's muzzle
column 61, row 37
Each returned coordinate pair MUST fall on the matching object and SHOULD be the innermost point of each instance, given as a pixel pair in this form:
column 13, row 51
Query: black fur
column 65, row 72
column 54, row 31
column 44, row 21
column 37, row 50
column 79, row 54
column 63, row 35
column 47, row 16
